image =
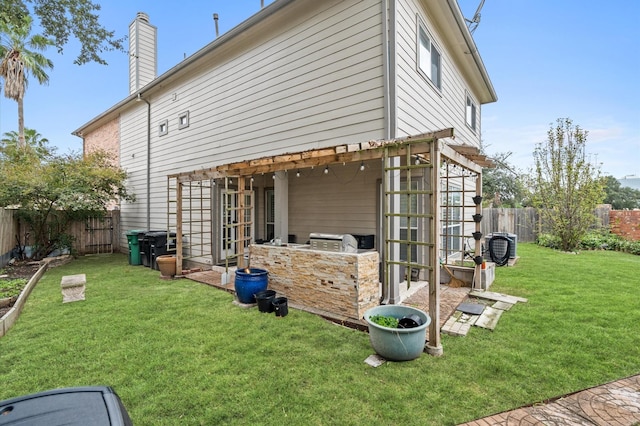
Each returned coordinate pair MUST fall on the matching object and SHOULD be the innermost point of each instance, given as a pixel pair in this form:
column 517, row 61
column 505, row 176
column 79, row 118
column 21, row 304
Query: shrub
column 595, row 241
column 548, row 240
column 10, row 288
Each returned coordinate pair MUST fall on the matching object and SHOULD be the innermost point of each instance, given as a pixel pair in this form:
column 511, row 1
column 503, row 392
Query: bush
column 10, row 288
column 594, row 241
column 548, row 240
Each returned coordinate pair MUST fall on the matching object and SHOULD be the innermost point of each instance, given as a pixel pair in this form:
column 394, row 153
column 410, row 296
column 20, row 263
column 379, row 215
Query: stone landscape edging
column 8, row 319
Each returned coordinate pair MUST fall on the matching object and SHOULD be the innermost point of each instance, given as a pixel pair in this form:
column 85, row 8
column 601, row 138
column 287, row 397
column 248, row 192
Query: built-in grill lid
column 348, row 243
column 321, row 236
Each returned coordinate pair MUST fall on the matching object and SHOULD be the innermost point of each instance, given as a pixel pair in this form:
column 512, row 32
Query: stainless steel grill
column 333, row 242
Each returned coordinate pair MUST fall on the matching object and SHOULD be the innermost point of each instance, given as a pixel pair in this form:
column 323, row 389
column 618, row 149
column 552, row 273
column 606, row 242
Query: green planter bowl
column 397, row 344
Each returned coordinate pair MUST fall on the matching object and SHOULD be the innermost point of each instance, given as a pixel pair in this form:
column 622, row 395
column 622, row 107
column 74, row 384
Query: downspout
column 390, row 118
column 140, row 98
column 390, row 70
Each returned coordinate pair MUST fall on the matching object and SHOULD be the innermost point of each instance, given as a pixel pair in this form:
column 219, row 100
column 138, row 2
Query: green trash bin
column 133, row 236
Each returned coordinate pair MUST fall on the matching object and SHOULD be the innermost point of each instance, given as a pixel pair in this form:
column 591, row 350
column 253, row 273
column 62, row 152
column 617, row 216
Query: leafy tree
column 11, row 142
column 502, row 185
column 567, row 186
column 49, row 194
column 620, row 197
column 19, row 61
column 62, row 19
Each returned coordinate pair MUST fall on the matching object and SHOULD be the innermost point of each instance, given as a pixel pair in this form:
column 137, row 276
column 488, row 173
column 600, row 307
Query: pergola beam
column 318, row 157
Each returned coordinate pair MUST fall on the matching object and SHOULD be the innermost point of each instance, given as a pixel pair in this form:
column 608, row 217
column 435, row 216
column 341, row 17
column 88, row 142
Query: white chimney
column 143, row 61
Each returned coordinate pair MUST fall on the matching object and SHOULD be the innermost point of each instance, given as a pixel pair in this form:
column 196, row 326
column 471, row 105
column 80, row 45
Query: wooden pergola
column 422, row 152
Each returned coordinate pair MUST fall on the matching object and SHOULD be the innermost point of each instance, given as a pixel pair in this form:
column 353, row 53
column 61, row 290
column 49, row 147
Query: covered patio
column 426, row 206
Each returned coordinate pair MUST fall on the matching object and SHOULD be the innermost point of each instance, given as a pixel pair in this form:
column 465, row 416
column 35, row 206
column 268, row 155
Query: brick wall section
column 106, row 137
column 339, row 285
column 625, row 223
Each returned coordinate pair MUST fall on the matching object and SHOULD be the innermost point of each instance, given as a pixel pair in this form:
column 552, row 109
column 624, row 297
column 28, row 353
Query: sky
column 547, row 59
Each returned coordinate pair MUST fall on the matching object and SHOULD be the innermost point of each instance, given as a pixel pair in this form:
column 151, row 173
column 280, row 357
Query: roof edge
column 224, row 38
column 473, row 49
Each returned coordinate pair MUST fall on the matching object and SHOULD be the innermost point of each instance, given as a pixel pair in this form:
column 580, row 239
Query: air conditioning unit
column 501, row 245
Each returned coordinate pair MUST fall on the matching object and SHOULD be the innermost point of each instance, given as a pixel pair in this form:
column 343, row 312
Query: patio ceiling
column 466, row 156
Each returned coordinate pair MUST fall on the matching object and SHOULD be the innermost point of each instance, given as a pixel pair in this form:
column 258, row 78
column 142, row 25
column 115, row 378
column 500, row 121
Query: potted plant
column 167, row 266
column 248, row 282
column 391, row 341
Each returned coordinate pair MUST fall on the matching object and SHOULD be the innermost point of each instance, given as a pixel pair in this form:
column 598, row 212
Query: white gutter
column 471, row 44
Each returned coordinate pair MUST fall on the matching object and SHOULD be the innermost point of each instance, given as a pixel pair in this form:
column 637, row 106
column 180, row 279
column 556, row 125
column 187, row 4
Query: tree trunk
column 21, row 140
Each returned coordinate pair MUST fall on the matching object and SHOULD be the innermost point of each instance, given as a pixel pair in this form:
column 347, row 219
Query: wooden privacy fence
column 91, row 236
column 97, row 235
column 526, row 222
column 8, row 227
column 522, row 222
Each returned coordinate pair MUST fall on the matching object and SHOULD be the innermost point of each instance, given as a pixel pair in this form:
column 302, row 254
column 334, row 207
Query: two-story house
column 358, row 117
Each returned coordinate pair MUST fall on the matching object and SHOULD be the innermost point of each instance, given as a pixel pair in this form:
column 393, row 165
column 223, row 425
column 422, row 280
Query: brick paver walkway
column 613, row 404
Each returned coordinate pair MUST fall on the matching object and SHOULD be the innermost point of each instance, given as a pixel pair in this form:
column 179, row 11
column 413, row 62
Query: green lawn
column 180, row 353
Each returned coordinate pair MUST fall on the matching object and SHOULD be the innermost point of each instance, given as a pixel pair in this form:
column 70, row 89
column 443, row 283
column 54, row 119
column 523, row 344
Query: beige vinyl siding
column 133, row 159
column 142, row 58
column 306, row 78
column 420, row 106
column 342, row 201
column 316, row 84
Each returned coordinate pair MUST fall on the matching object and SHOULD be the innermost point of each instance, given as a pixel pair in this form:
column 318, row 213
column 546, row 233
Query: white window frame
column 183, row 120
column 163, row 128
column 471, row 113
column 231, row 216
column 452, row 229
column 429, row 58
column 270, row 213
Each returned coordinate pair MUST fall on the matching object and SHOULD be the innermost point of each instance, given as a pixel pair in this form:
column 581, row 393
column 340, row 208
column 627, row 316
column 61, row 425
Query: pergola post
column 434, row 346
column 240, row 218
column 179, row 227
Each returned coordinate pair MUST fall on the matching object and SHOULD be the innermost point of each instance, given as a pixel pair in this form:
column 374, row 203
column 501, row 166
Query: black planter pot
column 477, row 199
column 477, row 235
column 477, row 218
column 280, row 306
column 265, row 300
column 478, row 260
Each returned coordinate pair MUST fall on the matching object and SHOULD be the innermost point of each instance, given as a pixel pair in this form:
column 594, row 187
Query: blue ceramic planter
column 397, row 344
column 247, row 284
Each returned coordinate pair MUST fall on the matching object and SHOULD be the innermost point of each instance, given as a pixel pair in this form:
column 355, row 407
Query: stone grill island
column 336, row 284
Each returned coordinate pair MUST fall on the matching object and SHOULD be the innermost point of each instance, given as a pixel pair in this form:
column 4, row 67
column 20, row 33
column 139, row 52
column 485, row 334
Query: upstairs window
column 471, row 113
column 429, row 60
column 163, row 128
column 183, row 120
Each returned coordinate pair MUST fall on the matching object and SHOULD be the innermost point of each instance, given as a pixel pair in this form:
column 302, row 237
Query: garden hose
column 500, row 261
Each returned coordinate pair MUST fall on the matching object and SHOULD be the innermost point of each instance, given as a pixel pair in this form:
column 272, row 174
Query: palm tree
column 18, row 62
column 11, row 141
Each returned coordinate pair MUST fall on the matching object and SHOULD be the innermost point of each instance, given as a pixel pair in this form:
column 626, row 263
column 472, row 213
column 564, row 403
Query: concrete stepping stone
column 73, row 287
column 489, row 318
column 499, row 297
column 503, row 306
